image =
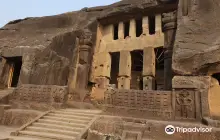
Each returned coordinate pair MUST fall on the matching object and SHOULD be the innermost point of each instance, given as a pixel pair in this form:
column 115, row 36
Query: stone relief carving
column 185, row 104
column 156, row 103
column 38, row 93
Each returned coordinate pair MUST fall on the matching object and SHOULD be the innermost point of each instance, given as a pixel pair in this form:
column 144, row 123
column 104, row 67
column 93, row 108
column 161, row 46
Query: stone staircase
column 63, row 124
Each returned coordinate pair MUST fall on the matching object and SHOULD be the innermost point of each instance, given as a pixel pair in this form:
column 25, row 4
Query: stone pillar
column 28, row 63
column 102, row 70
column 124, row 77
column 121, row 30
column 145, row 26
column 2, row 66
column 190, row 97
column 158, row 26
column 83, row 67
column 169, row 28
column 149, row 69
column 80, row 65
column 108, row 33
column 132, row 31
column 73, row 68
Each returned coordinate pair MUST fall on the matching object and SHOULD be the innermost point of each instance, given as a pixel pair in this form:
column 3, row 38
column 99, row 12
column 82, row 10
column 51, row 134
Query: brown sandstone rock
column 197, row 46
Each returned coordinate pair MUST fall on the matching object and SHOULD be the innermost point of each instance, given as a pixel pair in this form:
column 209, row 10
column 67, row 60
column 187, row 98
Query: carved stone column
column 149, row 69
column 28, row 62
column 83, row 67
column 121, row 30
column 102, row 70
column 169, row 28
column 81, row 61
column 124, row 77
column 132, row 31
column 145, row 26
column 73, row 68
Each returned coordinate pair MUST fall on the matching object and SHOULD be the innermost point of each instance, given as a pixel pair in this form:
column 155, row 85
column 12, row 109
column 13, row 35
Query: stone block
column 195, row 82
column 148, row 83
column 149, row 62
column 125, row 63
column 124, row 82
column 198, row 85
column 102, row 82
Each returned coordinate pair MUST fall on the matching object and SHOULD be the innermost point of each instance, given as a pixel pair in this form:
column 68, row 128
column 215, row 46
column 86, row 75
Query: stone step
column 66, row 120
column 51, row 126
column 47, row 135
column 88, row 111
column 52, row 130
column 26, row 137
column 61, row 123
column 70, row 116
column 75, row 113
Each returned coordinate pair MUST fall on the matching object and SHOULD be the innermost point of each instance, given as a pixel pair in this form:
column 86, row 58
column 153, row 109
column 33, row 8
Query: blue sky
column 18, row 9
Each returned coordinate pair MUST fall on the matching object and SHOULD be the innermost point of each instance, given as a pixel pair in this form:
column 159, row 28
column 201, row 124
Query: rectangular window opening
column 139, row 27
column 152, row 24
column 126, row 29
column 116, row 31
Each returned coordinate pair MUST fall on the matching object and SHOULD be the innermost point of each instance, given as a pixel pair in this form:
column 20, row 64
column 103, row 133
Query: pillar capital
column 169, row 20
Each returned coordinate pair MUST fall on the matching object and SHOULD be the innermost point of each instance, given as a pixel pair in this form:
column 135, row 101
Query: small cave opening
column 217, row 77
column 126, row 29
column 115, row 57
column 152, row 25
column 139, row 27
column 15, row 64
column 136, row 69
column 115, row 31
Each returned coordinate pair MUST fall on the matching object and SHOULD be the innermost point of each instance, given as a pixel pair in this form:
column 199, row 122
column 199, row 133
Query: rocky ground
column 5, row 131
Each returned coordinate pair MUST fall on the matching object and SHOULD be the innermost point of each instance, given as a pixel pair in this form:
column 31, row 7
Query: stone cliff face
column 53, row 39
column 196, row 50
column 197, row 47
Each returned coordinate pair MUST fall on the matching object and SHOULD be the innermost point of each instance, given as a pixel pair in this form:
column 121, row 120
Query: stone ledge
column 193, row 82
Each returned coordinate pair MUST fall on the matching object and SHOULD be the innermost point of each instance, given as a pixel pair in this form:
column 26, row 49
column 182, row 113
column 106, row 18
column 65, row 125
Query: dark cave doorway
column 115, row 57
column 159, row 59
column 15, row 64
column 136, row 70
column 217, row 77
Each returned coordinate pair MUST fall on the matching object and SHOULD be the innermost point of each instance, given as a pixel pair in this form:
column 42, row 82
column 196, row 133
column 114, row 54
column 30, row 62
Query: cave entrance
column 14, row 68
column 159, row 59
column 115, row 57
column 217, row 77
column 136, row 69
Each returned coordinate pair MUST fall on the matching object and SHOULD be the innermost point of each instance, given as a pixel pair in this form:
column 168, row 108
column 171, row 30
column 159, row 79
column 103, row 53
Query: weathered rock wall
column 197, row 46
column 57, row 35
column 54, row 37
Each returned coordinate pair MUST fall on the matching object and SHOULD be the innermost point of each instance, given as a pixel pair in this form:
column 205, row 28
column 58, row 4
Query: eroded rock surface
column 197, row 48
